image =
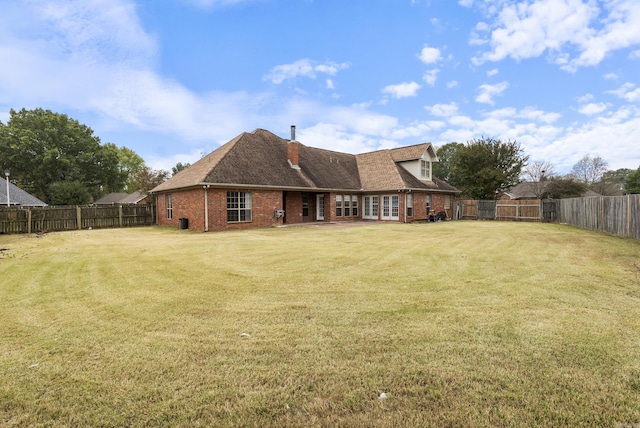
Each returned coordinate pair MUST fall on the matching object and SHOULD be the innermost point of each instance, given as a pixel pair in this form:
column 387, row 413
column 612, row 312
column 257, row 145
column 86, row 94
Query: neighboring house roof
column 133, row 198
column 526, row 190
column 17, row 196
column 121, row 198
column 260, row 158
column 111, row 198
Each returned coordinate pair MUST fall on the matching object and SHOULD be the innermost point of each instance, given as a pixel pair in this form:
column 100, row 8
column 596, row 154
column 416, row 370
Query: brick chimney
column 292, row 149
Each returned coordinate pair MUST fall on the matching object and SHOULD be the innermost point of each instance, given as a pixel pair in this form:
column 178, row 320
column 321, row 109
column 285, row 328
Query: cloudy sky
column 174, row 79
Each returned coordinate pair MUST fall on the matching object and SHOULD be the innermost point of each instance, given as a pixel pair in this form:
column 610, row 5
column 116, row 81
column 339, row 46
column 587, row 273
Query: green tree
column 41, row 148
column 632, row 185
column 561, row 188
column 612, row 182
column 130, row 165
column 147, row 178
column 68, row 193
column 484, row 167
column 179, row 167
column 446, row 155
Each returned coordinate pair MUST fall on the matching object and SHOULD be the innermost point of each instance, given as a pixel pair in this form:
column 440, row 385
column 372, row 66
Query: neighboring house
column 259, row 179
column 531, row 190
column 122, row 198
column 17, row 196
column 525, row 190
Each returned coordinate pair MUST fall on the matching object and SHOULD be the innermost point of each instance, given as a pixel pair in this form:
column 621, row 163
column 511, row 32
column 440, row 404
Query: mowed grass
column 457, row 323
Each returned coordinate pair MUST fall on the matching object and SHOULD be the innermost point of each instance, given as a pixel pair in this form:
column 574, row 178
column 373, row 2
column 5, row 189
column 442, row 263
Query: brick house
column 259, row 180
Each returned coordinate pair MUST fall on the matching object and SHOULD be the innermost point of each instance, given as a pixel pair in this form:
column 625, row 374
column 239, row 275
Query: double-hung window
column 410, row 204
column 168, row 199
column 346, row 205
column 238, row 206
column 425, row 169
column 305, row 204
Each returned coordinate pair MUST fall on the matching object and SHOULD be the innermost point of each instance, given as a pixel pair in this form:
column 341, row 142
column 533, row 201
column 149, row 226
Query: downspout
column 206, row 207
column 405, row 208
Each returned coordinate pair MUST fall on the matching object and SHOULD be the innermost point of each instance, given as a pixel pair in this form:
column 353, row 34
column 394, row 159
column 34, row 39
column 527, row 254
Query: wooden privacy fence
column 619, row 215
column 520, row 210
column 48, row 219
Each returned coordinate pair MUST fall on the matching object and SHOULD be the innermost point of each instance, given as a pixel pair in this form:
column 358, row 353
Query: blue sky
column 174, row 79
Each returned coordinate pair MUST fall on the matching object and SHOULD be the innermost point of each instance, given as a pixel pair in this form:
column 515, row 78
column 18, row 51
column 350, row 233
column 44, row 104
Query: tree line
column 61, row 161
column 486, row 168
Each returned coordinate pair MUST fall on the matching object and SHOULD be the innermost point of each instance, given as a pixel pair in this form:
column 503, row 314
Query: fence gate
column 549, row 210
column 486, row 210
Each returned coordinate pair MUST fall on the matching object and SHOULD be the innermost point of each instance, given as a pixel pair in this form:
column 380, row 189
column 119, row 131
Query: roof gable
column 417, row 151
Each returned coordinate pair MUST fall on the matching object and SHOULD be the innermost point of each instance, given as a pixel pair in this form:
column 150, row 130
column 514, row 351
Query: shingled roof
column 17, row 196
column 259, row 159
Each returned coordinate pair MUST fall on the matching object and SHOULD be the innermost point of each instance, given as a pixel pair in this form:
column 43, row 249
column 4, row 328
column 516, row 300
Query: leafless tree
column 589, row 169
column 536, row 174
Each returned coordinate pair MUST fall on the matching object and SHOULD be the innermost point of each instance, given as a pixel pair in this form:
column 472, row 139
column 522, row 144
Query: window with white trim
column 238, row 207
column 168, row 199
column 346, row 205
column 410, row 204
column 447, row 202
column 425, row 169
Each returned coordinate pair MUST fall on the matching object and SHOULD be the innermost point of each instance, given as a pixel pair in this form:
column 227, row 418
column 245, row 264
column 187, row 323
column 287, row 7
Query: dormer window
column 425, row 169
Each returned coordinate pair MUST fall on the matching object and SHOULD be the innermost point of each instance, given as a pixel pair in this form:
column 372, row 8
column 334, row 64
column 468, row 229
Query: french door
column 319, row 207
column 370, row 206
column 390, row 207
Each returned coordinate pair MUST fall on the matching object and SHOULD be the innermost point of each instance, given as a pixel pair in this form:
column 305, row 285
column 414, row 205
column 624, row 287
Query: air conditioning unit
column 279, row 213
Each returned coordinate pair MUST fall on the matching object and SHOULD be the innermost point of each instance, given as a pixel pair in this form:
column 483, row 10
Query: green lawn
column 458, row 323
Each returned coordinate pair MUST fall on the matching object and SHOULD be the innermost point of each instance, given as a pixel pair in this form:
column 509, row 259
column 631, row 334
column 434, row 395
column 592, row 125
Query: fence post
column 79, row 217
column 628, row 215
column 29, row 221
column 120, row 215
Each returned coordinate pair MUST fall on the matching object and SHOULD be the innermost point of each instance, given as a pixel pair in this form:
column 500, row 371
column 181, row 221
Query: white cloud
column 429, row 55
column 329, row 84
column 452, row 84
column 207, row 4
column 627, row 92
column 610, row 76
column 492, row 72
column 593, row 108
column 337, row 137
column 443, row 110
column 431, row 76
column 634, row 55
column 574, row 33
column 585, row 98
column 303, row 67
column 402, row 90
column 487, row 92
